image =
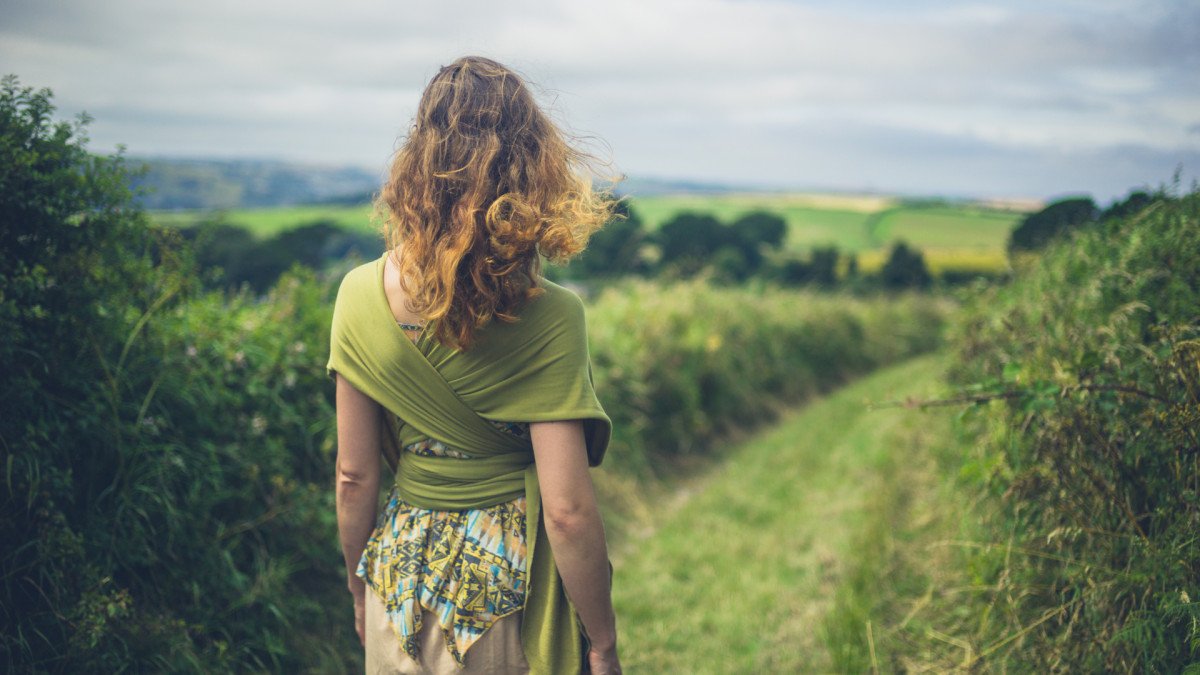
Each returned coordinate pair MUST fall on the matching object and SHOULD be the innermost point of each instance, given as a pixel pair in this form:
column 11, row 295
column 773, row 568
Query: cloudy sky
column 1018, row 98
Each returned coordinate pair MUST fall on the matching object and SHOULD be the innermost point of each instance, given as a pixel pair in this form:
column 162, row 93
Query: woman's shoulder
column 559, row 296
column 360, row 279
column 363, row 271
column 555, row 303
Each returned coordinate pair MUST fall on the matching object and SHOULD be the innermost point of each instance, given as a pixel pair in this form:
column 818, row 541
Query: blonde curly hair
column 482, row 187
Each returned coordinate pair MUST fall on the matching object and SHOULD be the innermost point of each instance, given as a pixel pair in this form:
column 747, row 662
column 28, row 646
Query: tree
column 905, row 268
column 616, row 249
column 1134, row 203
column 233, row 256
column 730, row 265
column 756, row 231
column 689, row 241
column 820, row 268
column 824, row 265
column 1038, row 229
column 762, row 228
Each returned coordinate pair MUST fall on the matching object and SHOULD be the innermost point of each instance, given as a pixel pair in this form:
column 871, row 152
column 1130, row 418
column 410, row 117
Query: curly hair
column 484, row 185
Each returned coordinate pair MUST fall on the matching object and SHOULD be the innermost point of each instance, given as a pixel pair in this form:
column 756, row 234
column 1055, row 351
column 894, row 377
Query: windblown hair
column 483, row 184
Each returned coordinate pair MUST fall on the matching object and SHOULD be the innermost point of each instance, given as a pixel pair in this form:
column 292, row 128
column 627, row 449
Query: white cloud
column 715, row 89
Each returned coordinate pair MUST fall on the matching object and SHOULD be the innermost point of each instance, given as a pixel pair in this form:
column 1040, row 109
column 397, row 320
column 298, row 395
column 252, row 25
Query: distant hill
column 644, row 187
column 206, row 184
column 176, row 184
column 171, row 184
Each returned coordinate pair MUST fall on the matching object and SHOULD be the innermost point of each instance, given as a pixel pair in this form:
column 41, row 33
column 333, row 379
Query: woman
column 470, row 373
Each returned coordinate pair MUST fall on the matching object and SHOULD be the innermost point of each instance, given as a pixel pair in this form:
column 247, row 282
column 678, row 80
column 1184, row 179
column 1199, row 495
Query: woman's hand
column 604, row 662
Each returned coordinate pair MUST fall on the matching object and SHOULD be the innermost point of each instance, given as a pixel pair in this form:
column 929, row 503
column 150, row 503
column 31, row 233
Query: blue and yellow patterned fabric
column 465, row 567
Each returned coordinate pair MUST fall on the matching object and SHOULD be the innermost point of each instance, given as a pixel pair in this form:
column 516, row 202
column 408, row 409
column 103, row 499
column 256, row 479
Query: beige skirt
column 497, row 651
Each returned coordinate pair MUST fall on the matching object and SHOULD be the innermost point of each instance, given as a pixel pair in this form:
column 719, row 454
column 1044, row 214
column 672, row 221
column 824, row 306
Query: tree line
column 692, row 244
column 689, row 245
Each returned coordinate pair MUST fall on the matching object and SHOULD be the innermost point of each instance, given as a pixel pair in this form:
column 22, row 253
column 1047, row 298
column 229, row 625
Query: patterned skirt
column 465, row 570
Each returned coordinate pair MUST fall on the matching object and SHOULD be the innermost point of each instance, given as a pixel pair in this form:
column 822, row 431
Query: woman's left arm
column 357, row 491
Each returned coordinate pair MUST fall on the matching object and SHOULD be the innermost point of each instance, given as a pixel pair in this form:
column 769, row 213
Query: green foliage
column 1090, row 440
column 820, row 268
column 1038, row 229
column 905, row 268
column 690, row 242
column 761, row 228
column 752, row 236
column 165, row 504
column 1130, row 206
column 679, row 365
column 231, row 256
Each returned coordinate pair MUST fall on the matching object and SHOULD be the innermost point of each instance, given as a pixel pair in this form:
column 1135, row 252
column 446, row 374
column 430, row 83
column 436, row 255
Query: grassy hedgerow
column 1097, row 458
column 1061, row 535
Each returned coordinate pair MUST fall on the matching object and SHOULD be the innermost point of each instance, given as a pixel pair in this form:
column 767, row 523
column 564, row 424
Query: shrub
column 167, row 453
column 905, row 267
column 1038, row 229
column 1091, row 443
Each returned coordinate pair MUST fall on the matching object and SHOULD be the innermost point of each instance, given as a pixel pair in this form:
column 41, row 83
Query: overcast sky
column 957, row 98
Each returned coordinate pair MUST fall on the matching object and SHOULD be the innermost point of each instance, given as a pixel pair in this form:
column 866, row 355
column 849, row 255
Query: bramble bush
column 1085, row 460
column 167, row 453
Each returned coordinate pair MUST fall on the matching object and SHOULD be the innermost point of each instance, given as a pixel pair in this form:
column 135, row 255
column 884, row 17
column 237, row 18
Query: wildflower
column 191, row 351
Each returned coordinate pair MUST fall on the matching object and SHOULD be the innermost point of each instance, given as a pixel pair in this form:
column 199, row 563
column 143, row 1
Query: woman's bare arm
column 576, row 533
column 357, row 490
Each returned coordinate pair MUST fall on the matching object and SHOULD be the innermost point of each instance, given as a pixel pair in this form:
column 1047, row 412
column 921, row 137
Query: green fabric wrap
column 536, row 369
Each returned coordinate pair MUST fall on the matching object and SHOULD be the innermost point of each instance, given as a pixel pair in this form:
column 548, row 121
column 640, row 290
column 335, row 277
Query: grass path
column 740, row 578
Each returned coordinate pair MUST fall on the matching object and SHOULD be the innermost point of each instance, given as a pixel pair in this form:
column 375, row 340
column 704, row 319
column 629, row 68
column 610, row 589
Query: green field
column 945, row 227
column 266, row 222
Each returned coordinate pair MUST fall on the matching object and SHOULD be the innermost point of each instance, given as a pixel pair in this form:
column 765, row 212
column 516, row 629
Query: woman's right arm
column 576, row 534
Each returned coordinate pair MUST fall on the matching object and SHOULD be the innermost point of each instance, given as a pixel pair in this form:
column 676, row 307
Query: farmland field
column 945, row 227
column 266, row 222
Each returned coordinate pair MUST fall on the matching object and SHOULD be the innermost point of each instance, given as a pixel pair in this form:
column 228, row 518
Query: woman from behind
column 469, row 372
